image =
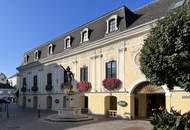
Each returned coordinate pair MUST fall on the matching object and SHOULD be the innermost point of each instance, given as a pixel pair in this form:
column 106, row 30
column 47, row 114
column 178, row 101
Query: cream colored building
column 116, row 38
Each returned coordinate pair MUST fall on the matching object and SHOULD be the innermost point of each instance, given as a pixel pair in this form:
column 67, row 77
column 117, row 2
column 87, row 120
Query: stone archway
column 147, row 97
column 64, row 101
column 110, row 103
column 24, row 101
column 84, row 103
column 49, row 102
column 35, row 102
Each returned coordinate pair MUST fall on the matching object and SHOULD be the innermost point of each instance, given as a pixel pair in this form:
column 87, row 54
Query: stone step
column 54, row 118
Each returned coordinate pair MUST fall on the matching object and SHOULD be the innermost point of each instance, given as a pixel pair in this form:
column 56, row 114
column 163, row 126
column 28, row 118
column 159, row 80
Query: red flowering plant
column 83, row 86
column 111, row 84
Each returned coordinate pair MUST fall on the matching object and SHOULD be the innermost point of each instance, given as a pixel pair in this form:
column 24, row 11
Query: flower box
column 23, row 89
column 111, row 84
column 49, row 87
column 83, row 86
column 34, row 88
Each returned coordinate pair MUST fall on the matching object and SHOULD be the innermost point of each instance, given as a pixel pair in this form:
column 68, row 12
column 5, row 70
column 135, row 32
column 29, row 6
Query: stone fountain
column 72, row 111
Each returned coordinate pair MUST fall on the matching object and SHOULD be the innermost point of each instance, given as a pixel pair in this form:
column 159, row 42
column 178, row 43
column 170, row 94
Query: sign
column 122, row 103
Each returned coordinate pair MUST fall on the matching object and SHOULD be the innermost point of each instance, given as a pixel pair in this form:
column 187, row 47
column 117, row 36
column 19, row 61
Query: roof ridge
column 145, row 5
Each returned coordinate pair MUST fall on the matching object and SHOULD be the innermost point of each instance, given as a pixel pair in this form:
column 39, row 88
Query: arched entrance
column 147, row 98
column 24, row 102
column 110, row 103
column 64, row 101
column 49, row 102
column 35, row 102
column 84, row 104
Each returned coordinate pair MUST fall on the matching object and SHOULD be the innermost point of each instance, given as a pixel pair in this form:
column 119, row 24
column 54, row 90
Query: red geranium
column 83, row 86
column 111, row 84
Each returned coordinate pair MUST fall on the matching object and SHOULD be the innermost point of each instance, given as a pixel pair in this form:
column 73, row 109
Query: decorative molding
column 96, row 56
column 120, row 50
column 137, row 82
column 65, row 42
column 75, row 62
column 81, row 33
column 113, row 17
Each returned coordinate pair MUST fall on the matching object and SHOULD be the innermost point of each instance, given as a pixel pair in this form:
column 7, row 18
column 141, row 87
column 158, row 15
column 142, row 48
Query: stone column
column 121, row 66
column 93, row 73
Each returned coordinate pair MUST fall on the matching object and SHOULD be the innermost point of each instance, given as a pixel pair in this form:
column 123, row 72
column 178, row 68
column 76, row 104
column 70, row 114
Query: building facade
column 108, row 46
column 6, row 90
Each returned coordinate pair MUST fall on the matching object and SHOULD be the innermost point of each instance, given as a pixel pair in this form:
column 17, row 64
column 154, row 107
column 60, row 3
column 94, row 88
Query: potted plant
column 23, row 89
column 83, row 86
column 111, row 84
column 34, row 88
column 49, row 87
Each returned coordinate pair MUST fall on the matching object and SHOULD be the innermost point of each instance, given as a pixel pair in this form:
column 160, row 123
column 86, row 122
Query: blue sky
column 25, row 24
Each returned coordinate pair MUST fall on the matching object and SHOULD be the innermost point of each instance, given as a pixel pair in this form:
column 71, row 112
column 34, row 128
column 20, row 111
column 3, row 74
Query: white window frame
column 65, row 42
column 36, row 53
column 26, row 59
column 82, row 38
column 113, row 17
column 50, row 51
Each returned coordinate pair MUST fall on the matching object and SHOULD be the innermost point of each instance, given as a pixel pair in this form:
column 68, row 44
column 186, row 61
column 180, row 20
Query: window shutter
column 81, row 79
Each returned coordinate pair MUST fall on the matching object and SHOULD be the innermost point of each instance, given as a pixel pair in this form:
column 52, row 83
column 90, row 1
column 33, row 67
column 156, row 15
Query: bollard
column 39, row 114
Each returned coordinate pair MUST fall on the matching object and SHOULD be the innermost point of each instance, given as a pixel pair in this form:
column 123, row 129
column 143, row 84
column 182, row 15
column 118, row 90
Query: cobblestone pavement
column 27, row 119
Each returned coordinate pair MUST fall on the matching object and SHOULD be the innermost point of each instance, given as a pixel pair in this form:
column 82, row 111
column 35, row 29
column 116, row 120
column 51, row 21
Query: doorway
column 35, row 102
column 49, row 102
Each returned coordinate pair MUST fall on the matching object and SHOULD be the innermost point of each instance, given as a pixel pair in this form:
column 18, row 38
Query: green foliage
column 171, row 121
column 165, row 56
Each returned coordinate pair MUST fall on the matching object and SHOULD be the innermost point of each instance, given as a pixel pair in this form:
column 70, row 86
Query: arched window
column 26, row 59
column 111, row 69
column 67, row 42
column 36, row 55
column 84, row 35
column 112, row 24
column 50, row 49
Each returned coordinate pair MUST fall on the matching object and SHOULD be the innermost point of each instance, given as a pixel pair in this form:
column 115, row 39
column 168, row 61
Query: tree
column 165, row 56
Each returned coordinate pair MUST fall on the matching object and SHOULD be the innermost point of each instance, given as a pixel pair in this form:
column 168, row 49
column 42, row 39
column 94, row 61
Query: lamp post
column 39, row 114
column 7, row 110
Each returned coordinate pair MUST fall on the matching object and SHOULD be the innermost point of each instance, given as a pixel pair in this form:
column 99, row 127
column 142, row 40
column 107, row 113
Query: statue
column 68, row 77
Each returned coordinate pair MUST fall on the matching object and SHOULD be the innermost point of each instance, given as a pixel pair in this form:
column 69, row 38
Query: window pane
column 24, row 81
column 49, row 79
column 84, row 74
column 68, row 43
column 85, row 36
column 108, row 70
column 81, row 74
column 114, row 69
column 112, row 25
column 35, row 82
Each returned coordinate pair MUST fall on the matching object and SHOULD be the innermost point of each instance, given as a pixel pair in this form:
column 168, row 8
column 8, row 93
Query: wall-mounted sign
column 185, row 97
column 122, row 103
column 56, row 100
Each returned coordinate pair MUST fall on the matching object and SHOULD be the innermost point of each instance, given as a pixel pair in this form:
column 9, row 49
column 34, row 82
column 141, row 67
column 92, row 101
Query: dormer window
column 67, row 42
column 112, row 24
column 36, row 55
column 84, row 35
column 26, row 58
column 50, row 49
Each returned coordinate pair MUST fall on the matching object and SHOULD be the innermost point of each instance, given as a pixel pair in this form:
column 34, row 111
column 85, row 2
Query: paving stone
column 27, row 119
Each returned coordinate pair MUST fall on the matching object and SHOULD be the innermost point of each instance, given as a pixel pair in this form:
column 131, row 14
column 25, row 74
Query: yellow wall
column 95, row 60
column 181, row 101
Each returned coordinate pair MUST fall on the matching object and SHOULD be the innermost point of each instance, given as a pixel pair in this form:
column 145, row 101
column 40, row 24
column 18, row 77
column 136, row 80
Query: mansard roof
column 126, row 19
